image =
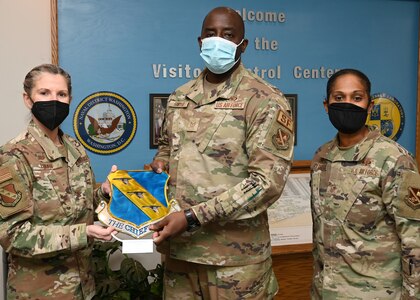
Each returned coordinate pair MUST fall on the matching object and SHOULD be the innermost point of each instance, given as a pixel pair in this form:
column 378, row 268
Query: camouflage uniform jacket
column 229, row 156
column 366, row 218
column 46, row 201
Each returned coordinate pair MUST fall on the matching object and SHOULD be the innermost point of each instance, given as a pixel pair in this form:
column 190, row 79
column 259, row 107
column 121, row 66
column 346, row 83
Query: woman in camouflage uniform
column 365, row 204
column 47, row 198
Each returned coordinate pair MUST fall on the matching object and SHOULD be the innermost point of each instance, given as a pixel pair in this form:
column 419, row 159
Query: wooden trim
column 301, row 166
column 54, row 32
column 418, row 104
column 287, row 249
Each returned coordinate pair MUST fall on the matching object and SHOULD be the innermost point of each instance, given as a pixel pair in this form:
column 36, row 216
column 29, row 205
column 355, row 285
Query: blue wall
column 113, row 45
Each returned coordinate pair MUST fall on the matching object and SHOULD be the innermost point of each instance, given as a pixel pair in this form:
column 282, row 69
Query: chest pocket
column 197, row 127
column 49, row 193
column 335, row 192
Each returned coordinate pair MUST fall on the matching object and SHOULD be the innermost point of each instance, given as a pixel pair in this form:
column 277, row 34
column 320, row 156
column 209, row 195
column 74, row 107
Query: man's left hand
column 171, row 226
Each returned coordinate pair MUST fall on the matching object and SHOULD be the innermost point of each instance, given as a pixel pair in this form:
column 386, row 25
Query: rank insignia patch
column 413, row 198
column 138, row 200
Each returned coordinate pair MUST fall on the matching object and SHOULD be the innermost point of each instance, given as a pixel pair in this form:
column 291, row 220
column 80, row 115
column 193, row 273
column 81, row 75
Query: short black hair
column 363, row 78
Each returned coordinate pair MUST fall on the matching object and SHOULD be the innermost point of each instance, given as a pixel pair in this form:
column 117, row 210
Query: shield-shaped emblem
column 138, row 200
column 413, row 198
column 9, row 197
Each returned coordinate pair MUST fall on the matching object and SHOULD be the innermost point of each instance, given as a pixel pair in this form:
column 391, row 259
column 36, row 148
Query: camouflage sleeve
column 19, row 232
column 269, row 144
column 402, row 194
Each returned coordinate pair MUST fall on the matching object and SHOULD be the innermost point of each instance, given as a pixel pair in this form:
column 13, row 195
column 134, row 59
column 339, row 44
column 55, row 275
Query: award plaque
column 138, row 200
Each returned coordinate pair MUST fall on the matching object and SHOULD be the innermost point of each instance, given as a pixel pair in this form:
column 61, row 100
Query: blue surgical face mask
column 219, row 54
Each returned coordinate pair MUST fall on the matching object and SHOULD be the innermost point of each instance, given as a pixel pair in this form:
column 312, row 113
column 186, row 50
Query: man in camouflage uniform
column 46, row 210
column 227, row 142
column 366, row 215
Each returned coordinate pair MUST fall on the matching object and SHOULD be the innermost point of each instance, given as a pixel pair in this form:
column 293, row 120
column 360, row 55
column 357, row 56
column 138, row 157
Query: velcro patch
column 408, row 203
column 14, row 195
column 230, row 105
column 281, row 140
column 178, row 104
column 5, row 175
column 284, row 119
column 413, row 198
column 192, row 124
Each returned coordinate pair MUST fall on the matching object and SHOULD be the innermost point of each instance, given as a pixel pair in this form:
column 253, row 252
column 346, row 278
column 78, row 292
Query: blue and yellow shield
column 138, row 200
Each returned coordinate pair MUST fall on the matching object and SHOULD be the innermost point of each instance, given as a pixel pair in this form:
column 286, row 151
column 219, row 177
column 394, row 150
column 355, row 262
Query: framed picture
column 158, row 104
column 293, row 104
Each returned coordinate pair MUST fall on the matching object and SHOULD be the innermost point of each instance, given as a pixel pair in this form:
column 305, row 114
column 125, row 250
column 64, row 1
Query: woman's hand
column 106, row 186
column 100, row 233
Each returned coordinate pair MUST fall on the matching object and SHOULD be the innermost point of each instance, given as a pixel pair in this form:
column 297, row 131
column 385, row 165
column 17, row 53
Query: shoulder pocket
column 408, row 203
column 14, row 194
column 279, row 137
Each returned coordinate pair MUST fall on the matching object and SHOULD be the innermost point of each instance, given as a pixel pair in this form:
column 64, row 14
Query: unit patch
column 9, row 196
column 138, row 200
column 413, row 198
column 281, row 139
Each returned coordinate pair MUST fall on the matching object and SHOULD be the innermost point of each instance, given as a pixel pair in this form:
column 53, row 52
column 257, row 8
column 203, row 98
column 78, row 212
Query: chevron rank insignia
column 138, row 200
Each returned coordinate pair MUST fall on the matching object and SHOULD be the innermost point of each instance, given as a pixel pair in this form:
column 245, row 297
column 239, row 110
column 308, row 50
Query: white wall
column 25, row 43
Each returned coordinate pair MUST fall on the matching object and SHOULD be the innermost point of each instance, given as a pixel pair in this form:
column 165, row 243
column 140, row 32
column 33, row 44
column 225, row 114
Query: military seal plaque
column 388, row 115
column 105, row 122
column 138, row 200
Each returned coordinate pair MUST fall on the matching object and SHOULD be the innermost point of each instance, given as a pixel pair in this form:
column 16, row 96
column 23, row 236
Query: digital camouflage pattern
column 46, row 201
column 229, row 155
column 366, row 218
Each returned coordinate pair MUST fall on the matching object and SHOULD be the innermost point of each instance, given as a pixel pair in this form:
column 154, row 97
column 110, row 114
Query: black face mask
column 347, row 117
column 50, row 113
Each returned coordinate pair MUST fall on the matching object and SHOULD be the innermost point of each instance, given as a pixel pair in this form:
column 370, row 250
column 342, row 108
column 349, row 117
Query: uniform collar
column 225, row 90
column 354, row 153
column 50, row 148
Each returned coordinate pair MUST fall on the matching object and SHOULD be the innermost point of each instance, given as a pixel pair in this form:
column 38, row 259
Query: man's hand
column 106, row 186
column 171, row 226
column 99, row 232
column 158, row 166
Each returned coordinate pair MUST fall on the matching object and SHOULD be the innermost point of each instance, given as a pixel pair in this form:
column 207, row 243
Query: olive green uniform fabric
column 366, row 215
column 46, row 201
column 229, row 153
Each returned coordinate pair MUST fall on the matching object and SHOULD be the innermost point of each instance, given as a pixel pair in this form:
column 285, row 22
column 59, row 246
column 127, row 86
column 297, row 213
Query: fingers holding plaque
column 138, row 200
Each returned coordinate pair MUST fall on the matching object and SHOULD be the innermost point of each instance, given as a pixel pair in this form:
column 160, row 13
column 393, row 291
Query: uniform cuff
column 78, row 236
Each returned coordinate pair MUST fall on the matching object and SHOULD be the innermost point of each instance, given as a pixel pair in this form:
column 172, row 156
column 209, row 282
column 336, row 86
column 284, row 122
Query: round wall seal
column 388, row 115
column 105, row 122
